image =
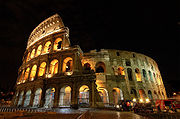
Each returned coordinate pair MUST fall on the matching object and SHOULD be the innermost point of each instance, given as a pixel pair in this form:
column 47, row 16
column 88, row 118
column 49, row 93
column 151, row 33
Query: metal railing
column 21, row 109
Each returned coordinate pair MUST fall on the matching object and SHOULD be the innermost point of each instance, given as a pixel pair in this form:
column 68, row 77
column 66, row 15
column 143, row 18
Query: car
column 166, row 105
column 143, row 108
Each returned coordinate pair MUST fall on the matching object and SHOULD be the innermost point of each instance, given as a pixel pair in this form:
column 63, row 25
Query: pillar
column 32, row 97
column 56, row 97
column 43, row 94
column 74, row 94
column 93, row 94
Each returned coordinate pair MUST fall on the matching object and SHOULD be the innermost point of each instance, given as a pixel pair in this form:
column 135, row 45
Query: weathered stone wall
column 107, row 77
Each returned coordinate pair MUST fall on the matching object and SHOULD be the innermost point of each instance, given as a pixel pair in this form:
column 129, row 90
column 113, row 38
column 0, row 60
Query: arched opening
column 145, row 74
column 49, row 98
column 37, row 97
column 129, row 71
column 39, row 49
column 115, row 72
column 53, row 67
column 57, row 44
column 68, row 66
column 42, row 69
column 100, row 67
column 83, row 99
column 142, row 94
column 27, row 98
column 121, row 71
column 104, row 95
column 28, row 57
column 87, row 67
column 47, row 47
column 158, row 79
column 150, row 75
column 33, row 72
column 20, row 80
column 33, row 53
column 156, row 95
column 163, row 96
column 133, row 93
column 128, row 62
column 154, row 77
column 20, row 98
column 150, row 95
column 117, row 95
column 159, row 94
column 138, row 74
column 17, row 93
column 65, row 96
column 26, row 74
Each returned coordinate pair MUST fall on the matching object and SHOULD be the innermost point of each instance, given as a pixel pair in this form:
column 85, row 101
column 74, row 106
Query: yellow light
column 117, row 106
column 53, row 90
column 134, row 99
column 141, row 100
column 68, row 73
column 49, row 75
column 147, row 100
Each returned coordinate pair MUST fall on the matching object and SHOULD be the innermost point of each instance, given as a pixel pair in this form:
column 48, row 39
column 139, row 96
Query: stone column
column 90, row 94
column 28, row 78
column 24, row 96
column 93, row 94
column 37, row 71
column 60, row 65
column 32, row 97
column 77, row 65
column 52, row 46
column 47, row 68
column 56, row 97
column 15, row 99
column 42, row 101
column 110, row 93
column 74, row 94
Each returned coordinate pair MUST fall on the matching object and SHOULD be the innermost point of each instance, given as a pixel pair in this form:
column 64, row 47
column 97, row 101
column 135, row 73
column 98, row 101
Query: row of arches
column 149, row 95
column 43, row 49
column 152, row 77
column 101, row 68
column 53, row 69
column 63, row 101
column 83, row 96
column 65, row 97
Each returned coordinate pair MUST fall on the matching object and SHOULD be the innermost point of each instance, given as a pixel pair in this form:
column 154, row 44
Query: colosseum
column 55, row 74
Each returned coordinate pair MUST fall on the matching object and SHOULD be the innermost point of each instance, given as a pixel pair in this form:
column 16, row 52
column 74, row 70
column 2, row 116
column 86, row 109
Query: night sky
column 147, row 27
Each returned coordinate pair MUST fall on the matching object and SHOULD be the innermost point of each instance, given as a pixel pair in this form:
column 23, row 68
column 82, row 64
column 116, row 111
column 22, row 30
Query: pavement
column 101, row 114
column 72, row 114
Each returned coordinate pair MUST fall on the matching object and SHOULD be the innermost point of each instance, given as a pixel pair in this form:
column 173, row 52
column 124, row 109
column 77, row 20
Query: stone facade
column 56, row 74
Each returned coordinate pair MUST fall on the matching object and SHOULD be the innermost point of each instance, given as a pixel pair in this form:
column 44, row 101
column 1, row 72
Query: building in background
column 56, row 74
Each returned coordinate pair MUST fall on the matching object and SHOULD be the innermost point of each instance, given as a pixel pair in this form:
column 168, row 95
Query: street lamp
column 141, row 100
column 147, row 100
column 134, row 100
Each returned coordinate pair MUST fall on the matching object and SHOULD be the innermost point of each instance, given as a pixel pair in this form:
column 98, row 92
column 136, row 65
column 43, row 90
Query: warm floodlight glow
column 53, row 90
column 141, row 100
column 134, row 100
column 147, row 100
column 174, row 93
column 117, row 106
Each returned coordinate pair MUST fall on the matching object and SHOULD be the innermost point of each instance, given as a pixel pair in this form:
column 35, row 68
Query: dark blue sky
column 148, row 27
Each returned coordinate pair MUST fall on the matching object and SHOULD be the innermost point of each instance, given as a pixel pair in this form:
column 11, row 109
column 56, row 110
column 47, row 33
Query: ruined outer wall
column 117, row 58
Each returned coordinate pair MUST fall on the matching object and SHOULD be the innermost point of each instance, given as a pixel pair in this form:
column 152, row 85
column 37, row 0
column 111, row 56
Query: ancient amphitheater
column 55, row 74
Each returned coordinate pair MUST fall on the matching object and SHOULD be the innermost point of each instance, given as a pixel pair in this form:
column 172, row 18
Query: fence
column 30, row 110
